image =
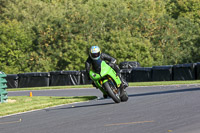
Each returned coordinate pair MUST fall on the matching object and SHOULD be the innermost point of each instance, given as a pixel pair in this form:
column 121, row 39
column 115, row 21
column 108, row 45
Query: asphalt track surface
column 160, row 109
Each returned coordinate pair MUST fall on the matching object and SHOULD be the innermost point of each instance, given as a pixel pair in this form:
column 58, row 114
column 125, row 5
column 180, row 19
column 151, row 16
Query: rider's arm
column 87, row 65
column 108, row 58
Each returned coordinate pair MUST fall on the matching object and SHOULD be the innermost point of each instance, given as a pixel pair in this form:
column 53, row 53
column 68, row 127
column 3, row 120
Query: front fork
column 115, row 91
column 101, row 84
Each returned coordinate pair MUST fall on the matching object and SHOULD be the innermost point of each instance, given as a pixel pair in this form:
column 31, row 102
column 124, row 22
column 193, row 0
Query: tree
column 184, row 8
column 15, row 45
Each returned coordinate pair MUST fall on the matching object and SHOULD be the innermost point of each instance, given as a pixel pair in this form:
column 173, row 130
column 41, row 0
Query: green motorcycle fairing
column 99, row 79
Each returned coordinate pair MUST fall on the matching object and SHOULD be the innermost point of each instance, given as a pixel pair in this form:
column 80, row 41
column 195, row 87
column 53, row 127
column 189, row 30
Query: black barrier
column 184, row 72
column 141, row 74
column 197, row 70
column 59, row 78
column 137, row 74
column 129, row 64
column 36, row 79
column 126, row 74
column 85, row 78
column 162, row 73
column 12, row 80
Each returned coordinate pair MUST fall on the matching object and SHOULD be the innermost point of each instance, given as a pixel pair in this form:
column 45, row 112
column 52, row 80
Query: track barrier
column 3, row 86
column 131, row 73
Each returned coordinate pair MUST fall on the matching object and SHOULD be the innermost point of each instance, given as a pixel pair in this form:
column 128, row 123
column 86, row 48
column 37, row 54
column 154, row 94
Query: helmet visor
column 95, row 55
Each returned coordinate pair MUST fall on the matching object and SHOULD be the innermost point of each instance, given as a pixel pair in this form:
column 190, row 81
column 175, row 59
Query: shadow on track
column 165, row 92
column 80, row 106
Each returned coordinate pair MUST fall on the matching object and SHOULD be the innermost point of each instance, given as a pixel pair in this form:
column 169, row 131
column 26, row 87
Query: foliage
column 54, row 35
column 15, row 44
column 184, row 8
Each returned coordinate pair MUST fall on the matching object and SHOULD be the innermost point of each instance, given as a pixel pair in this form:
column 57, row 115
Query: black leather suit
column 111, row 61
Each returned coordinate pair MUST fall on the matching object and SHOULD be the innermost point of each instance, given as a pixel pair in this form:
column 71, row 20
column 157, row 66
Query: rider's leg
column 117, row 69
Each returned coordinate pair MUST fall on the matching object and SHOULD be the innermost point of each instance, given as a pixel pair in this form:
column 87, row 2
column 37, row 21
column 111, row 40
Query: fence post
column 3, row 86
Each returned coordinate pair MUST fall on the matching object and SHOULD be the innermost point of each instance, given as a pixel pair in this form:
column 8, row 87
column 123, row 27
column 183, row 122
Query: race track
column 160, row 109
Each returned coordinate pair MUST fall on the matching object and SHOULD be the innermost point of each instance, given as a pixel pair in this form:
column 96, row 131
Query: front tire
column 112, row 91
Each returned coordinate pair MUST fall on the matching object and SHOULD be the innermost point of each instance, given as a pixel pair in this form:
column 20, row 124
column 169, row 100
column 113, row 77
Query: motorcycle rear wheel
column 112, row 91
column 124, row 97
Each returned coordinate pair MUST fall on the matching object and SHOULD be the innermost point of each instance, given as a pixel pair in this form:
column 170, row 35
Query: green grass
column 50, row 87
column 18, row 104
column 165, row 83
column 90, row 86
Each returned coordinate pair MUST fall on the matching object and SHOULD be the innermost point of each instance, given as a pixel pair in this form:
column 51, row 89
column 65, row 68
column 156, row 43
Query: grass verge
column 130, row 84
column 50, row 87
column 165, row 83
column 18, row 104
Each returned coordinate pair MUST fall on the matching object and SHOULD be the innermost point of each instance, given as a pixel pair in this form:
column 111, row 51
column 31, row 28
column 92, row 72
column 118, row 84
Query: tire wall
column 131, row 72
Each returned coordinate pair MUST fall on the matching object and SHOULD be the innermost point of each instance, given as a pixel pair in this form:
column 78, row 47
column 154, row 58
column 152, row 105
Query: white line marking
column 11, row 122
column 128, row 123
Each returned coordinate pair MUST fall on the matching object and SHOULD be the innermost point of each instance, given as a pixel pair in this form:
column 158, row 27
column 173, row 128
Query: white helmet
column 95, row 52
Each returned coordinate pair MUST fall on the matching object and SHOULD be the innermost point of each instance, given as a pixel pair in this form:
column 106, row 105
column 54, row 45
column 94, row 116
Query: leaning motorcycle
column 108, row 82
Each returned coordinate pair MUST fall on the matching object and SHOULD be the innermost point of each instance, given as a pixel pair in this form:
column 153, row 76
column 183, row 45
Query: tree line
column 50, row 35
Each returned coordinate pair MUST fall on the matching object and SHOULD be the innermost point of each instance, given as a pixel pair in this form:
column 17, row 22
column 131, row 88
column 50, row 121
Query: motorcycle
column 108, row 82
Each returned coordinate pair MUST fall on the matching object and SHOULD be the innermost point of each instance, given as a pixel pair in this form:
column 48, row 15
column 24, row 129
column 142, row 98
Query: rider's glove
column 113, row 61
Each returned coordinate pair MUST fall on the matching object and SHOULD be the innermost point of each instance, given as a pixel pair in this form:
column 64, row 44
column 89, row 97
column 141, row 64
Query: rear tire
column 112, row 91
column 124, row 97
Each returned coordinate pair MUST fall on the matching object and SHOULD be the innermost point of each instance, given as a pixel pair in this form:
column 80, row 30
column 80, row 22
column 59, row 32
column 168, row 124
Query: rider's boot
column 94, row 85
column 117, row 70
column 121, row 89
column 105, row 96
column 123, row 85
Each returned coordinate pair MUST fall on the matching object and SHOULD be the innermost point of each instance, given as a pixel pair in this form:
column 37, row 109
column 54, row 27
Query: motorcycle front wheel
column 112, row 91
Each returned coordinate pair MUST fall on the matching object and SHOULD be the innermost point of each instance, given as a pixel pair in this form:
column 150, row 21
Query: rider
column 95, row 55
